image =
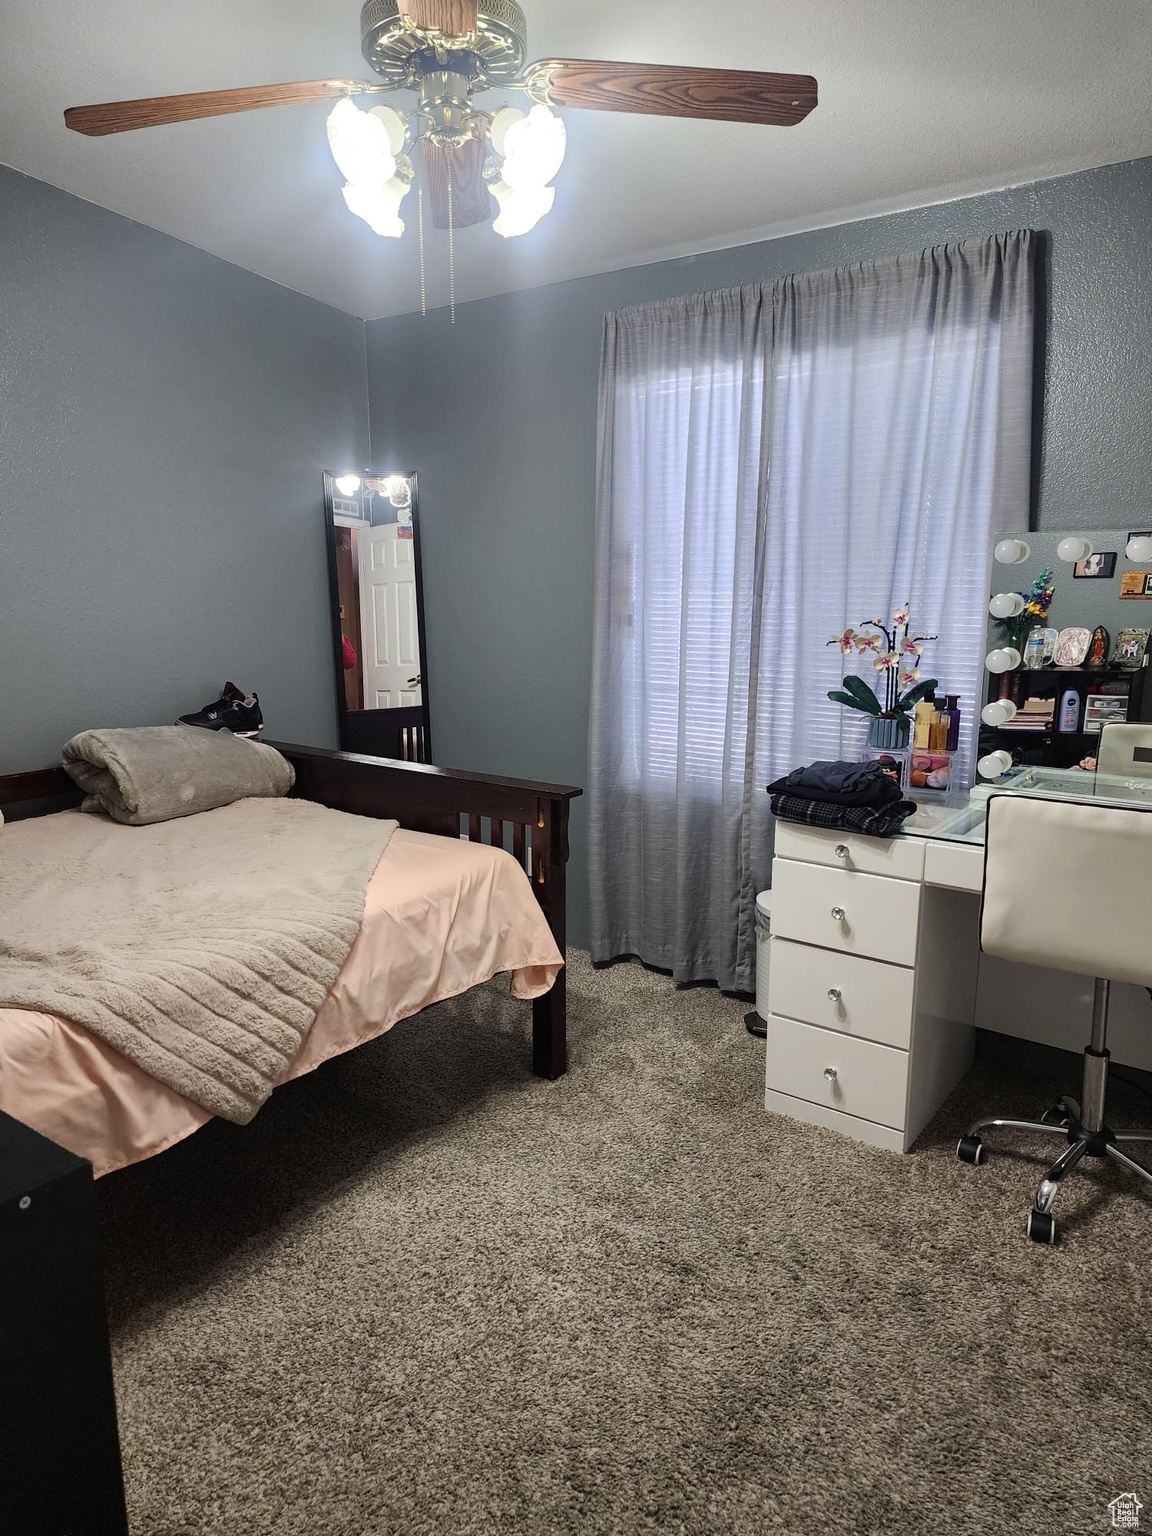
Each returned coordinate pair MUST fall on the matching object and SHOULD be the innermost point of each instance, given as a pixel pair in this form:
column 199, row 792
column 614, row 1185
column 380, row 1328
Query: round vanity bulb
column 1072, row 549
column 1006, row 605
column 347, row 485
column 999, row 712
column 995, row 765
column 1012, row 552
column 1139, row 547
column 1004, row 659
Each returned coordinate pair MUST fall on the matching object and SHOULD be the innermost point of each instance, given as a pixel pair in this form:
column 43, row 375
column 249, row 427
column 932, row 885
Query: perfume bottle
column 953, row 712
column 938, row 731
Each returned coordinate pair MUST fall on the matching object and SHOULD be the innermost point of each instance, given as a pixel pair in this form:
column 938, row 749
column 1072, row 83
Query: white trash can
column 763, row 932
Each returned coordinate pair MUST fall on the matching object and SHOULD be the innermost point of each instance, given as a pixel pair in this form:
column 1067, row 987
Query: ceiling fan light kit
column 458, row 155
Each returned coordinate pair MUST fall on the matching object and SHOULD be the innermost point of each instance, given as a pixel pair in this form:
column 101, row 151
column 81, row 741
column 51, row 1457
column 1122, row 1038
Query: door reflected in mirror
column 378, row 631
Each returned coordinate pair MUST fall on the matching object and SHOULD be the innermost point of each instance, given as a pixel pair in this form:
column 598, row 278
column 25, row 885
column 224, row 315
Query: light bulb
column 347, row 485
column 1012, row 552
column 359, row 144
column 520, row 211
column 1006, row 605
column 1073, row 548
column 533, row 150
column 1003, row 659
column 999, row 712
column 379, row 206
column 995, row 765
column 1139, row 547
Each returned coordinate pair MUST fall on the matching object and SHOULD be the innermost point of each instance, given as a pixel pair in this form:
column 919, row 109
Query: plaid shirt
column 885, row 822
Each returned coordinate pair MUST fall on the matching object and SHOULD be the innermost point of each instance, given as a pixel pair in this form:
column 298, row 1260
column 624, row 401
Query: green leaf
column 846, row 698
column 860, row 690
column 922, row 689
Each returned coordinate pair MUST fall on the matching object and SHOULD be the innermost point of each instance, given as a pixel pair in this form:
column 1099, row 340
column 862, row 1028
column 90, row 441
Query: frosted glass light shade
column 395, row 126
column 520, row 211
column 1139, row 547
column 359, row 144
column 1012, row 552
column 1006, row 605
column 1072, row 549
column 378, row 206
column 1004, row 659
column 347, row 485
column 995, row 765
column 999, row 712
column 501, row 122
column 533, row 150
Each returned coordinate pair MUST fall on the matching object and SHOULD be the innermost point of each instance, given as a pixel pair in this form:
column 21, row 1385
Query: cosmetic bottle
column 1069, row 711
column 953, row 712
column 922, row 717
column 938, row 730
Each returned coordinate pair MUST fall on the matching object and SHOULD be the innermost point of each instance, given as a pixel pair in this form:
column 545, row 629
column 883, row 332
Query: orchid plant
column 895, row 653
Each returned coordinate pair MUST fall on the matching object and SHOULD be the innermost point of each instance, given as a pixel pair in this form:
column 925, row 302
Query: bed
column 470, row 885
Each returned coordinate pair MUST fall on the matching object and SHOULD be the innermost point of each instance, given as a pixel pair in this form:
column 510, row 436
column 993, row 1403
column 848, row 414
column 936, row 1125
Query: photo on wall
column 1098, row 565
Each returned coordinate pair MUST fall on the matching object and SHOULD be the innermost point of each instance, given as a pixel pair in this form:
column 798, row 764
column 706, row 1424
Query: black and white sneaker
column 234, row 711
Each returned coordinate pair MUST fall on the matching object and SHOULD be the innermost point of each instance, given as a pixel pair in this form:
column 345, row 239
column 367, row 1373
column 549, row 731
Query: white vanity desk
column 876, row 979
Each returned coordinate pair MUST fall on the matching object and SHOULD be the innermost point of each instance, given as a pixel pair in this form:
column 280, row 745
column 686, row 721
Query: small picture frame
column 1096, row 567
column 1135, row 584
column 1129, row 647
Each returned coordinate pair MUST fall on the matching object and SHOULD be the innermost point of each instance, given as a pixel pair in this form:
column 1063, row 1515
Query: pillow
column 158, row 772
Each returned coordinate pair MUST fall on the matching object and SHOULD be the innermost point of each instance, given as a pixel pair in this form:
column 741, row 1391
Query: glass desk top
column 959, row 817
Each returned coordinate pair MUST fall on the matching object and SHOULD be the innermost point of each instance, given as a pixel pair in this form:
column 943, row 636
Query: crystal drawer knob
column 829, row 1074
column 841, row 850
column 834, row 994
column 838, row 914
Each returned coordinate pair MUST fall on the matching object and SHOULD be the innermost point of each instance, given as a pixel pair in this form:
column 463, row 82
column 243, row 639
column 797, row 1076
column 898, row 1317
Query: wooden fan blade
column 668, row 90
column 471, row 202
column 454, row 18
column 151, row 111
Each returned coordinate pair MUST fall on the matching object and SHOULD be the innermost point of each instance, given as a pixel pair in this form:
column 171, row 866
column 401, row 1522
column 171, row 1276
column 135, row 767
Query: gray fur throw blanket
column 199, row 948
column 152, row 773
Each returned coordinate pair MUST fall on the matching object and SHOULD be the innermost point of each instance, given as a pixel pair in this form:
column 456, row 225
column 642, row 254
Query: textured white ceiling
column 919, row 102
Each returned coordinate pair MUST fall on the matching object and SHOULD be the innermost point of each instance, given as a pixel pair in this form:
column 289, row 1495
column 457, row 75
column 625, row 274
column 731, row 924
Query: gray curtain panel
column 776, row 463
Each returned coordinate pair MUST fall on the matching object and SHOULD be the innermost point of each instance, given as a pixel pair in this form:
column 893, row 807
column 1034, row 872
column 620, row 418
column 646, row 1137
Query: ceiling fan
column 447, row 51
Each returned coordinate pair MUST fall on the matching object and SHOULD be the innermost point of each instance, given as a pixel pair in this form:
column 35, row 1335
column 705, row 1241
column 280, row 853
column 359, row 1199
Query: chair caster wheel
column 1041, row 1227
column 1057, row 1115
column 970, row 1149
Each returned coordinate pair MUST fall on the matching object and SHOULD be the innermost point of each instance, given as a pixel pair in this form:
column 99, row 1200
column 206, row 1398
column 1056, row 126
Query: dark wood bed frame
column 59, row 1407
column 528, row 819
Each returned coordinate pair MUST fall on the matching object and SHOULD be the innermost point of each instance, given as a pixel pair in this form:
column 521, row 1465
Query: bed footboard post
column 550, row 1012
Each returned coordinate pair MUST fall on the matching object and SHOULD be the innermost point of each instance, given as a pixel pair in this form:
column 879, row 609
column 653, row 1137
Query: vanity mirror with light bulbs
column 1052, row 682
column 372, row 539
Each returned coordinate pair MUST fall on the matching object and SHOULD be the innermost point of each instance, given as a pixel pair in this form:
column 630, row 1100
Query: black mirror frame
column 402, row 734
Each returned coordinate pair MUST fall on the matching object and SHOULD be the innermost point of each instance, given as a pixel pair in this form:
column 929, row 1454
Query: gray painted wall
column 164, row 421
column 498, row 414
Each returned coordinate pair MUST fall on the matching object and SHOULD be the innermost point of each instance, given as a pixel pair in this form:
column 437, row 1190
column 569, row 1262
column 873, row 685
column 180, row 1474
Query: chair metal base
column 1065, row 1120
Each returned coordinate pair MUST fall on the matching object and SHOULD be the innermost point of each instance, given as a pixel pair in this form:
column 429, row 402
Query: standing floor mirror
column 372, row 534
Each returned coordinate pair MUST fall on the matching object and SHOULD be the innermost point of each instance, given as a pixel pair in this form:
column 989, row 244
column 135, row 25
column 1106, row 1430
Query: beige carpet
column 426, row 1293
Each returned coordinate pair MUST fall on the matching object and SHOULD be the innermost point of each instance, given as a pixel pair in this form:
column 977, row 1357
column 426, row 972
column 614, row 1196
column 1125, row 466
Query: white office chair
column 1068, row 884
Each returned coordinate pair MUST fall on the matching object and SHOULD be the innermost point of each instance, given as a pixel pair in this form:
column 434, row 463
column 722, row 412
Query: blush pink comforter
column 440, row 916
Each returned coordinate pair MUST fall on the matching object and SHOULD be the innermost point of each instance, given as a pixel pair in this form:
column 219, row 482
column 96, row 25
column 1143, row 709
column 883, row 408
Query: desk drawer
column 869, row 1080
column 900, row 858
column 874, row 1002
column 880, row 918
column 954, row 865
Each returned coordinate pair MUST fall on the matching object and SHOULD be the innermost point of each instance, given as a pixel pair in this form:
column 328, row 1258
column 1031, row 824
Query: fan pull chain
column 420, row 221
column 451, row 248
